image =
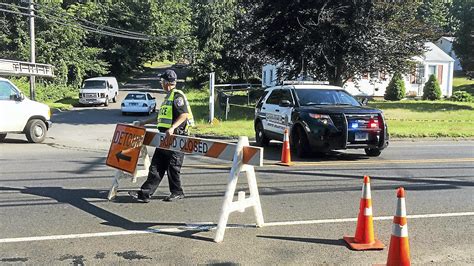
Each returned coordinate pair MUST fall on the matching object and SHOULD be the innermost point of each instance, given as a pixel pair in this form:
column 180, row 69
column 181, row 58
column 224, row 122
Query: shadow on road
column 77, row 198
column 332, row 242
column 273, row 152
column 95, row 116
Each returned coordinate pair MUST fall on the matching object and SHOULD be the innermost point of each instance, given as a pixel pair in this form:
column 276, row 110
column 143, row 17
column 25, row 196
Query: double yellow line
column 344, row 163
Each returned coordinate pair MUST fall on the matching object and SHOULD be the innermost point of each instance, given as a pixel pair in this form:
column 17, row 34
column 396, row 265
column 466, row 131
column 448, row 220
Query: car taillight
column 145, row 105
column 373, row 123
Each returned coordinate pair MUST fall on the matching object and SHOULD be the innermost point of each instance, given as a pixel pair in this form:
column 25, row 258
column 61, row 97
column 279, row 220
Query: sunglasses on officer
column 165, row 82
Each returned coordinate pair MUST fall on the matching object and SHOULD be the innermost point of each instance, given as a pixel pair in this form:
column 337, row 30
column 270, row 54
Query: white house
column 269, row 75
column 434, row 61
column 446, row 44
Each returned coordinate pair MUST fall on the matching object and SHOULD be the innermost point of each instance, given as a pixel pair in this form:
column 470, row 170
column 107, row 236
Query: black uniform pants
column 164, row 161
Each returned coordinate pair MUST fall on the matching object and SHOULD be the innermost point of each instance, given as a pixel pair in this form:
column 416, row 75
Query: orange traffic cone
column 399, row 249
column 285, row 151
column 364, row 237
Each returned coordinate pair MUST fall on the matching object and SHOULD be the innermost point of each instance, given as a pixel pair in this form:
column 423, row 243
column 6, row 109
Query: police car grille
column 338, row 120
column 362, row 120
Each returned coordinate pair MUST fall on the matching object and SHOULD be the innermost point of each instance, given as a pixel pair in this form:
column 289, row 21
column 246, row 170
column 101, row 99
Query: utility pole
column 32, row 46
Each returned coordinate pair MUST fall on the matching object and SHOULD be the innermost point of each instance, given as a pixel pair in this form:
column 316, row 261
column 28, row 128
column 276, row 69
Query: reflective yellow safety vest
column 165, row 116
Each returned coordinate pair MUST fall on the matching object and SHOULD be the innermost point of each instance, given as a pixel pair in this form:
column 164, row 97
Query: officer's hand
column 170, row 131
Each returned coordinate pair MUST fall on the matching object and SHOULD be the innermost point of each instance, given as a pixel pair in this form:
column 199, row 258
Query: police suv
column 320, row 118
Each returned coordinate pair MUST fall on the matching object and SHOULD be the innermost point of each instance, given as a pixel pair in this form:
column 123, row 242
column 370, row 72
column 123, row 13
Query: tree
column 463, row 44
column 396, row 88
column 241, row 59
column 212, row 21
column 337, row 40
column 432, row 91
column 57, row 44
column 436, row 14
column 166, row 23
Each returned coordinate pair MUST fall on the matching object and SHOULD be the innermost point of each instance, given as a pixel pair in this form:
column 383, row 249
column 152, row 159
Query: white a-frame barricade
column 243, row 156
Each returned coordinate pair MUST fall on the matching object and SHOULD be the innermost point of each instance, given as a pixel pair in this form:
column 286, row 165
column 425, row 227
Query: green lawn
column 405, row 118
column 461, row 83
column 159, row 64
column 428, row 118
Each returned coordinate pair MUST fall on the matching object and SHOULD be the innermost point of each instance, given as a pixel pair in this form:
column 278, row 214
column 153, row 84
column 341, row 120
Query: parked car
column 100, row 90
column 22, row 115
column 138, row 102
column 320, row 118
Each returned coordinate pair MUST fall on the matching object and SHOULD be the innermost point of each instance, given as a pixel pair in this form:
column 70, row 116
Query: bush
column 396, row 88
column 461, row 96
column 432, row 91
column 45, row 92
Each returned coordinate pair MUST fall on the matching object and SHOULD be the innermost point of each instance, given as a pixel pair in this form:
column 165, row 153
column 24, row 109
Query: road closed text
column 185, row 145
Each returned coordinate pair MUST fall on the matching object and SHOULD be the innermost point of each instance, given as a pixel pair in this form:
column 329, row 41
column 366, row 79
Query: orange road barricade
column 285, row 151
column 364, row 238
column 399, row 249
column 243, row 156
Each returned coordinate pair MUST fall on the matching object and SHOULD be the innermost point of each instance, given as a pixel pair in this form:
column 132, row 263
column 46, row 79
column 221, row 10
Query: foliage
column 437, row 15
column 56, row 44
column 212, row 21
column 461, row 96
column 46, row 92
column 432, row 90
column 396, row 88
column 463, row 44
column 337, row 40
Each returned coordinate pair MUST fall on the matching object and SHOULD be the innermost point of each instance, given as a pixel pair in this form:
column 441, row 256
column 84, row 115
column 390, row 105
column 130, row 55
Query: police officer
column 174, row 117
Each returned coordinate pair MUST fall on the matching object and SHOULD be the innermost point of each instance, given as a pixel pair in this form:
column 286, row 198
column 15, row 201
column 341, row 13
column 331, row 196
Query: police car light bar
column 304, row 82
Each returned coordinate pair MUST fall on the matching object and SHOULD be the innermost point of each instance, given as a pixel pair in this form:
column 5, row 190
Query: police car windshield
column 325, row 97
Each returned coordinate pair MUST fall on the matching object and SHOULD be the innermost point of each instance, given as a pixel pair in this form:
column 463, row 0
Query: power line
column 117, row 30
column 114, row 30
column 62, row 21
column 78, row 26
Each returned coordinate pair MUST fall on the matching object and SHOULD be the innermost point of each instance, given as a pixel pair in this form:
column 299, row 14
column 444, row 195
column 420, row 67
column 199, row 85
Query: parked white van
column 100, row 90
column 18, row 114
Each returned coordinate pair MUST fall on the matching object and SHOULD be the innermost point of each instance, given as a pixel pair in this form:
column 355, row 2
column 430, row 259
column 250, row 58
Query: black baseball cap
column 169, row 76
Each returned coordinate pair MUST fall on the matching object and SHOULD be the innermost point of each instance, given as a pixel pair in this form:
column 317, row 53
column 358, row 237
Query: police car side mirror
column 364, row 101
column 285, row 103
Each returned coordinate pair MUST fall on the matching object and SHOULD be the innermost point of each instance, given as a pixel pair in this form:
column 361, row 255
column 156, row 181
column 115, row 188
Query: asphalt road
column 53, row 207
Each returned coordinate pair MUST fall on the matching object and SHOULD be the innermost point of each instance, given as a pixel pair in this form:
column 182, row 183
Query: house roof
column 434, row 53
column 449, row 39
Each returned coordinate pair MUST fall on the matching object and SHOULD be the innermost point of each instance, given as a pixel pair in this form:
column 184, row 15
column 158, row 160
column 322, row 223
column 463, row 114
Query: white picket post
column 229, row 193
column 254, row 195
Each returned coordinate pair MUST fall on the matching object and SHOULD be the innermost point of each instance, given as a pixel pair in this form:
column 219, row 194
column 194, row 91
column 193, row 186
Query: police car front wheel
column 301, row 143
column 260, row 137
column 372, row 152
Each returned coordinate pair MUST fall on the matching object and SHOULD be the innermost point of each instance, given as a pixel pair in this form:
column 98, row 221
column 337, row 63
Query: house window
column 431, row 70
column 264, row 77
column 271, row 76
column 418, row 75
